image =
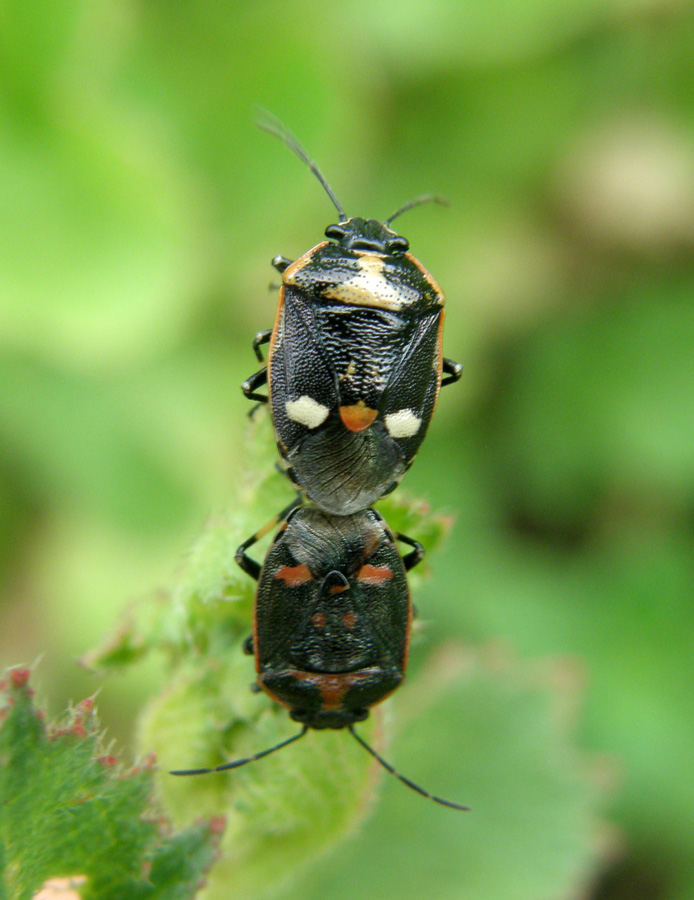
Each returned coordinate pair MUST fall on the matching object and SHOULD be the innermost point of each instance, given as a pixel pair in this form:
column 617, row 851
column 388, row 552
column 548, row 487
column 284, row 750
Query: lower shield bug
column 331, row 622
column 355, row 364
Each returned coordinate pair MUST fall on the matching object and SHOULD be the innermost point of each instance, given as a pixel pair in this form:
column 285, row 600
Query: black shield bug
column 331, row 622
column 354, row 365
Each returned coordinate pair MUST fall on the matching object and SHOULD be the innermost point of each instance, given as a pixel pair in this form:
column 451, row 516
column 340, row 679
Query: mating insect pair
column 353, row 374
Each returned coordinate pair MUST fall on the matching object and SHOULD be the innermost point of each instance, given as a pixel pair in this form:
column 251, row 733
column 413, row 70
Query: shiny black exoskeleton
column 354, row 370
column 332, row 623
column 355, row 365
column 332, row 615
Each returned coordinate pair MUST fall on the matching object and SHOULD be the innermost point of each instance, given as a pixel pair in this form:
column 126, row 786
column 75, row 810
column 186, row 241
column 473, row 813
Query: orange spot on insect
column 338, row 588
column 331, row 687
column 357, row 417
column 318, row 620
column 332, row 692
column 369, row 574
column 349, row 620
column 293, row 576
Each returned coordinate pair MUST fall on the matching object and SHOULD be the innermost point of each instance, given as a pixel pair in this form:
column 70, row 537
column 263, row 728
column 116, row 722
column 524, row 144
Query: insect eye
column 335, row 231
column 398, row 245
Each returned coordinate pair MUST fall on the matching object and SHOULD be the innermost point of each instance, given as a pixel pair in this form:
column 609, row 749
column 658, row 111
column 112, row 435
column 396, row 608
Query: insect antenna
column 410, row 784
column 242, row 762
column 267, row 122
column 418, row 201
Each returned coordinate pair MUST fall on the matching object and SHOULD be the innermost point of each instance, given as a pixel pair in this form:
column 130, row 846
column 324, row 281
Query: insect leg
column 250, row 386
column 250, row 566
column 452, row 371
column 281, row 263
column 415, row 556
column 262, row 337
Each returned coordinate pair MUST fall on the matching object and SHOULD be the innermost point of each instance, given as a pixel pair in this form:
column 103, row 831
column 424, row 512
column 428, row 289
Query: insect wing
column 409, row 399
column 303, row 382
column 381, row 600
column 287, row 593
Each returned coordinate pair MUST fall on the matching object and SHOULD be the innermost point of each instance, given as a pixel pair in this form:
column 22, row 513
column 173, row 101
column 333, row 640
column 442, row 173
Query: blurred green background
column 140, row 209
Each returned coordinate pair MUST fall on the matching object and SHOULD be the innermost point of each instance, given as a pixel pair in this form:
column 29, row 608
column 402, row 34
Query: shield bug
column 331, row 622
column 354, row 364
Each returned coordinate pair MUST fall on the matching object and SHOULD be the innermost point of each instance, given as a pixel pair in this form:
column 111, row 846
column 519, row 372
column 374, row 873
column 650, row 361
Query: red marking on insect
column 338, row 588
column 349, row 620
column 293, row 576
column 369, row 574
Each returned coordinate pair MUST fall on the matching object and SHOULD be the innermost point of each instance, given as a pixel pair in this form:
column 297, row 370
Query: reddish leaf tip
column 218, row 824
column 19, row 677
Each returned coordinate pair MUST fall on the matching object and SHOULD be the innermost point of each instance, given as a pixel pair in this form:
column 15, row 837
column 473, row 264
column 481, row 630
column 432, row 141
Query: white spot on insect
column 306, row 411
column 402, row 424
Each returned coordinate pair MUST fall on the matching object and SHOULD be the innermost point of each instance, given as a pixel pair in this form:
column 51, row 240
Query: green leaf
column 485, row 729
column 282, row 813
column 71, row 814
column 569, row 442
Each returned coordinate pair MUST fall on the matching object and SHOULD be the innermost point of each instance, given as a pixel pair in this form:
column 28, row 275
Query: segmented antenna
column 242, row 762
column 418, row 201
column 410, row 784
column 267, row 122
column 386, row 765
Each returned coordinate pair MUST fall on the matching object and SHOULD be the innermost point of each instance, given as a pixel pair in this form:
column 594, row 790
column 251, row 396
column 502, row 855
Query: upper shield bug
column 331, row 622
column 354, row 364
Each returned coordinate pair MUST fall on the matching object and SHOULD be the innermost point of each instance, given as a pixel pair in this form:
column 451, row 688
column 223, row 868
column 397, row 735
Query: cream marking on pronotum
column 306, row 411
column 402, row 424
column 369, row 287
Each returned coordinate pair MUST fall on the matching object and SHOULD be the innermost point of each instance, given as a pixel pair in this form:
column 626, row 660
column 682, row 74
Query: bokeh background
column 139, row 209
